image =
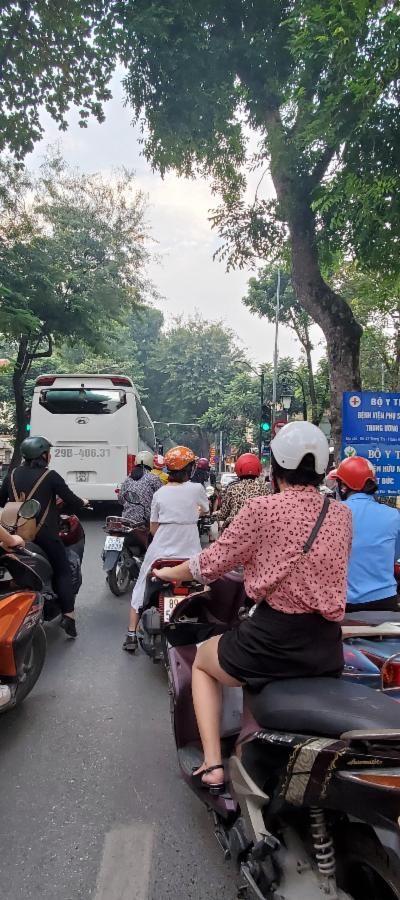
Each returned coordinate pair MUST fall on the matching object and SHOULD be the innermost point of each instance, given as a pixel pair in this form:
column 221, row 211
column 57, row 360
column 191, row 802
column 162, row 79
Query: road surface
column 91, row 804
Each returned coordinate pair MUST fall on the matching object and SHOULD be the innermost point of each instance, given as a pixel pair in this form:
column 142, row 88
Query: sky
column 182, row 268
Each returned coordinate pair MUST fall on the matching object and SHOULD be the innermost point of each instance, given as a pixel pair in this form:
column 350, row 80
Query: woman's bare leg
column 207, row 681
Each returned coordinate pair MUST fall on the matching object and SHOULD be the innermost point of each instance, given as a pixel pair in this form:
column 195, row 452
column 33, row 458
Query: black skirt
column 271, row 645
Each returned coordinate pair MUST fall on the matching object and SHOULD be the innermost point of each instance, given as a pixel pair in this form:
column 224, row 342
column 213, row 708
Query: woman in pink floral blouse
column 294, row 548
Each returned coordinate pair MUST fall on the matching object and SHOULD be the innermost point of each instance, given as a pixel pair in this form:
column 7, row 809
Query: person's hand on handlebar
column 174, row 573
column 10, row 541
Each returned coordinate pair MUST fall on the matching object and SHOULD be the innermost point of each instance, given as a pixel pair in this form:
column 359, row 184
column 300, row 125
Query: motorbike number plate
column 169, row 605
column 114, row 543
column 82, row 476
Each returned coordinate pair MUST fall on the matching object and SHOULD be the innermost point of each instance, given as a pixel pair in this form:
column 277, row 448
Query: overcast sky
column 184, row 272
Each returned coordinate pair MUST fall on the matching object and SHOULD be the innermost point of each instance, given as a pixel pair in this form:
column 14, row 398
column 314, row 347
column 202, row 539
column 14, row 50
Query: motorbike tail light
column 130, row 462
column 391, row 675
column 45, row 380
column 180, row 591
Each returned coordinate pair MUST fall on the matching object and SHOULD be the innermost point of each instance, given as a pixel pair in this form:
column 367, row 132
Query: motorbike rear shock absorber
column 324, row 849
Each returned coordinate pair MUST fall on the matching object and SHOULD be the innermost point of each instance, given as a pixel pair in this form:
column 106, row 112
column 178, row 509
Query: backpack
column 27, row 528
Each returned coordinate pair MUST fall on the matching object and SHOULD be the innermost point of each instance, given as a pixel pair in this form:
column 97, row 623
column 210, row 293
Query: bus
column 96, row 424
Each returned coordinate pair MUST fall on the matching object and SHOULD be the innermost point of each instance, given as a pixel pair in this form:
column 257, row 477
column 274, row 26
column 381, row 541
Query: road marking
column 125, row 865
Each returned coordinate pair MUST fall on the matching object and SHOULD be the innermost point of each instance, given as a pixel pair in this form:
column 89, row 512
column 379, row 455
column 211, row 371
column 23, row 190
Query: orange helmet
column 354, row 472
column 178, row 458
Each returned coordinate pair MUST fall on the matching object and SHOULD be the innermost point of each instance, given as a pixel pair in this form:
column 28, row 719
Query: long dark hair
column 137, row 472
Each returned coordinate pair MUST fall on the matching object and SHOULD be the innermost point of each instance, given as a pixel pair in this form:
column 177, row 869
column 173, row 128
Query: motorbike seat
column 327, row 707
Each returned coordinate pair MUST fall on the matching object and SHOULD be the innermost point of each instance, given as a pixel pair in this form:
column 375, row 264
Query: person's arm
column 62, row 490
column 203, row 500
column 154, row 515
column 397, row 550
column 10, row 541
column 234, row 548
column 4, row 491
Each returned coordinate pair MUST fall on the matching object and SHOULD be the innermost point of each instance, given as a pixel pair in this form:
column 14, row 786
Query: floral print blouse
column 237, row 495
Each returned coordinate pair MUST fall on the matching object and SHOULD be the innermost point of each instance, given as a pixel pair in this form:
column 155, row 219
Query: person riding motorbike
column 36, row 454
column 138, row 489
column 376, row 538
column 248, row 469
column 173, row 524
column 294, row 548
column 158, row 468
column 201, row 474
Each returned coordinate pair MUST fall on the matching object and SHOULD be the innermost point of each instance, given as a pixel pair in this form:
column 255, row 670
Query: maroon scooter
column 312, row 770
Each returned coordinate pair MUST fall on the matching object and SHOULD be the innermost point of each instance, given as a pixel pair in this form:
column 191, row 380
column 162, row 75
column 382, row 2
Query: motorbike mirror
column 29, row 510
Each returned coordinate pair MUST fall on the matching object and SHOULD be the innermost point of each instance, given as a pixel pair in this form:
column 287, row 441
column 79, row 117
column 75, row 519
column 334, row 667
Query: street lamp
column 286, row 400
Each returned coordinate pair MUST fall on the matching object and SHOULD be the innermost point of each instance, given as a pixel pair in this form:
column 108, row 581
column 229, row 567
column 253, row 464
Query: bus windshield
column 75, row 401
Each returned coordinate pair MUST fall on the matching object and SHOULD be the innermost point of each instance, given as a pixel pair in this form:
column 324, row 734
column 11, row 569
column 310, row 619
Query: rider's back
column 376, row 545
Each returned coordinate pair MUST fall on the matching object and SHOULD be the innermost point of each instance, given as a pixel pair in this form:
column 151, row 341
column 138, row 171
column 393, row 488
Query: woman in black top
column 36, row 454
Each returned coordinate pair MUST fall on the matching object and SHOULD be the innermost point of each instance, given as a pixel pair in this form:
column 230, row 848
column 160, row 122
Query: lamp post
column 261, row 375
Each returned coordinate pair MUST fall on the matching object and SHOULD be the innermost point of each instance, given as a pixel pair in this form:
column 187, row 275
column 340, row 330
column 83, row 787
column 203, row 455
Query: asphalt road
column 91, row 803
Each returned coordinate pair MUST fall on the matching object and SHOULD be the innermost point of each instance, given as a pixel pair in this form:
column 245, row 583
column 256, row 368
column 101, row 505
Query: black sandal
column 214, row 789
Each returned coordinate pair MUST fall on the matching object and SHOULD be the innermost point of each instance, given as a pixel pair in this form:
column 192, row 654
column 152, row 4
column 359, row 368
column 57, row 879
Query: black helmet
column 35, row 447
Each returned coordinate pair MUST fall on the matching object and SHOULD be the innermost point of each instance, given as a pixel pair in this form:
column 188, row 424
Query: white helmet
column 295, row 440
column 145, row 458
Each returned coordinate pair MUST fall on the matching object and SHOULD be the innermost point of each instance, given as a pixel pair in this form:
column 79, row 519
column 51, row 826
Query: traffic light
column 266, row 420
column 28, row 420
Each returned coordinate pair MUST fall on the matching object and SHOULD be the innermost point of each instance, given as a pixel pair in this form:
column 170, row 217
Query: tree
column 71, row 262
column 312, row 80
column 50, row 58
column 261, row 300
column 191, row 365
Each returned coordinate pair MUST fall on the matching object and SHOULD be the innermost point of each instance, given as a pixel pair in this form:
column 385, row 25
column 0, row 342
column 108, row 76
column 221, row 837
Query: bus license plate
column 114, row 543
column 82, row 476
column 169, row 605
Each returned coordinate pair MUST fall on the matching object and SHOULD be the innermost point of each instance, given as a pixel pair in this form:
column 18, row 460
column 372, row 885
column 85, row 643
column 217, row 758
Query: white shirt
column 178, row 504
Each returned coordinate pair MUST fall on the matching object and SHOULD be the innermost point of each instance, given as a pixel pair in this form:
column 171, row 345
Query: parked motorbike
column 124, row 549
column 22, row 637
column 311, row 805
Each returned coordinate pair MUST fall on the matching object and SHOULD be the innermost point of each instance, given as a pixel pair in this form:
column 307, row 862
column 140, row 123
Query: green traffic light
column 265, row 426
column 28, row 427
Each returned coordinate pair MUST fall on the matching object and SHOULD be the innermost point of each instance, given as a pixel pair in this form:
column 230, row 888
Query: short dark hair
column 305, row 473
column 181, row 475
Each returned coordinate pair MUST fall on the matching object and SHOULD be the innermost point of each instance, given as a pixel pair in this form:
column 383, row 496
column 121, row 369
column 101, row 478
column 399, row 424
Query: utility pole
column 260, row 434
column 220, row 451
column 276, row 355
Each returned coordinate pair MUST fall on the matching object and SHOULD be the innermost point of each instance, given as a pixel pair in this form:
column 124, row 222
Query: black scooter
column 312, row 766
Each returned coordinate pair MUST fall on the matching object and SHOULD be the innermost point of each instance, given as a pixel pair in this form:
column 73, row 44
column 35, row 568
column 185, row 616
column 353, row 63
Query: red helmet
column 248, row 464
column 202, row 463
column 354, row 472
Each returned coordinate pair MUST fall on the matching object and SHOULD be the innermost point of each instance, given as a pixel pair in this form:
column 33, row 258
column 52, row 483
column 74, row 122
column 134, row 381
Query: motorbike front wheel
column 367, row 870
column 119, row 578
column 32, row 666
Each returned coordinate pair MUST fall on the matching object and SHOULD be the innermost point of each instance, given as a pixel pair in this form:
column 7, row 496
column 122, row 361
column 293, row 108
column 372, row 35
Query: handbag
column 26, row 528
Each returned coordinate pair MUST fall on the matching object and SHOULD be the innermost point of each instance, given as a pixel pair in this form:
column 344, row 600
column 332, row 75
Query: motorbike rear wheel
column 367, row 870
column 119, row 579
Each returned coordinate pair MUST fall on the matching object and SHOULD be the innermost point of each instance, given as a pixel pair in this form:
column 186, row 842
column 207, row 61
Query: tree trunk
column 18, row 380
column 315, row 418
column 328, row 309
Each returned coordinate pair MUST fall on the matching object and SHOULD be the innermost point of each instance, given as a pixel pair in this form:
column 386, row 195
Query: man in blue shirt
column 376, row 538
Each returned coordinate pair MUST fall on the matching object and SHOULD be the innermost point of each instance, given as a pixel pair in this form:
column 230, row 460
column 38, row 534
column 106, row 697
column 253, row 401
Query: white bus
column 96, row 424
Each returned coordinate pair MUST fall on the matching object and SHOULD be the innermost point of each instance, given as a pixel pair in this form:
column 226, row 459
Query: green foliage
column 52, row 56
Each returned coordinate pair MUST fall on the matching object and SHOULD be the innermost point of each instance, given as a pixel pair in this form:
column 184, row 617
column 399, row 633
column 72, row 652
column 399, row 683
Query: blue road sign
column 371, row 428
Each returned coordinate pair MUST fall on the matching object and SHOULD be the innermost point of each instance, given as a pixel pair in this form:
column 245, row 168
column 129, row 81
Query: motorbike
column 22, row 637
column 124, row 549
column 72, row 535
column 207, row 522
column 311, row 801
